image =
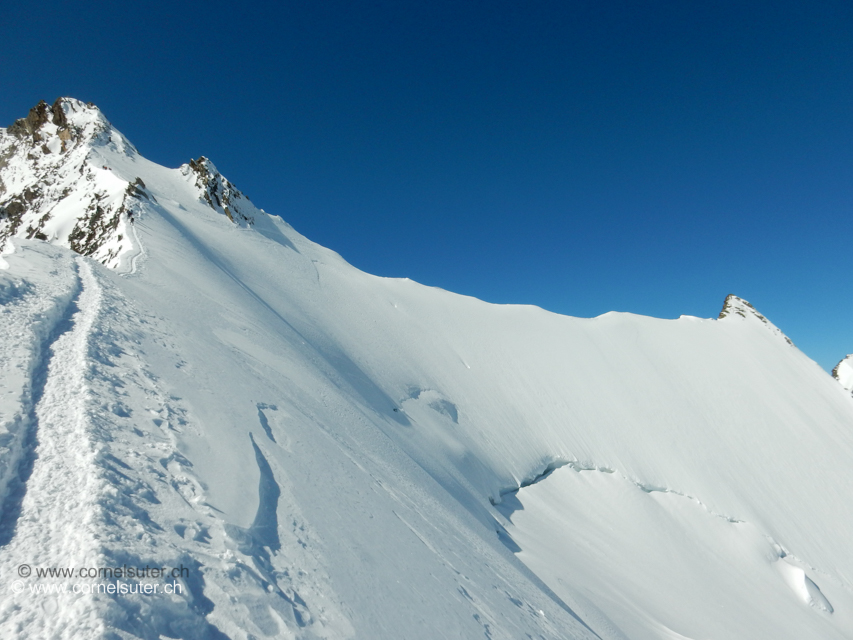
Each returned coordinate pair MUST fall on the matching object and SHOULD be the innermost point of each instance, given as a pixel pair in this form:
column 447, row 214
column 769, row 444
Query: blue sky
column 583, row 156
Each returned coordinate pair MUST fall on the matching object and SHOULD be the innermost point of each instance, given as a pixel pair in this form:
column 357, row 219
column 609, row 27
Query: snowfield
column 329, row 454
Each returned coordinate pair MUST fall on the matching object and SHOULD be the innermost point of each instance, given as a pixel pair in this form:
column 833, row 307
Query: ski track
column 138, row 256
column 59, row 512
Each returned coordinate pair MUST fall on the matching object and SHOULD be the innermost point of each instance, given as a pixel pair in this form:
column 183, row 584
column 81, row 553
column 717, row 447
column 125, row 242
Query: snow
column 654, row 562
column 337, row 455
column 61, row 486
column 35, row 296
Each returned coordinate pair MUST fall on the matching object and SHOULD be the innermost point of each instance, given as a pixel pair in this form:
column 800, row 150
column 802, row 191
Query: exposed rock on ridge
column 735, row 307
column 51, row 189
column 217, row 191
column 57, row 185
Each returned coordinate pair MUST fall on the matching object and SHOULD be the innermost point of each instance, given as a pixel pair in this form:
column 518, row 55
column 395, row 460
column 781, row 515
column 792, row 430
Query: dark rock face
column 30, row 125
column 12, row 212
column 842, row 373
column 38, row 116
column 59, row 118
column 98, row 224
column 91, row 229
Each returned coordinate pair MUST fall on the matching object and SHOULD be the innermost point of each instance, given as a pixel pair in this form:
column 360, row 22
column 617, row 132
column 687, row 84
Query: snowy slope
column 336, row 455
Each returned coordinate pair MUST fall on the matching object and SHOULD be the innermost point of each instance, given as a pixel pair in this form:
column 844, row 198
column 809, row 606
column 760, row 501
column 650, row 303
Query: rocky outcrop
column 31, row 126
column 739, row 306
column 214, row 189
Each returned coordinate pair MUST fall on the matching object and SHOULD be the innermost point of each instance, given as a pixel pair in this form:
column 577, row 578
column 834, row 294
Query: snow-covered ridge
column 336, row 455
column 61, row 181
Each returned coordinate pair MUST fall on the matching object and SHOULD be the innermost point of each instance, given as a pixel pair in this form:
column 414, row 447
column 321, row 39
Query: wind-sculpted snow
column 670, row 556
column 320, row 453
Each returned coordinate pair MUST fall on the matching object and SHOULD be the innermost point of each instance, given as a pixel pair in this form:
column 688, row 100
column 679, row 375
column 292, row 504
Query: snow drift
column 330, row 454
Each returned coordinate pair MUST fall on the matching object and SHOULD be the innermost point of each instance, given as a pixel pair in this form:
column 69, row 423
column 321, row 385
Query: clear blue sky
column 583, row 156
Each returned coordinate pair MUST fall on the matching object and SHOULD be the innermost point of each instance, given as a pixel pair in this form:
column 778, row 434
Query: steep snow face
column 843, row 372
column 334, row 455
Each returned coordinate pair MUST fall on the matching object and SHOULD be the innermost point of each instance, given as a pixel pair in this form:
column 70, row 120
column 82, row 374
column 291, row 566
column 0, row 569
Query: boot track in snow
column 59, row 511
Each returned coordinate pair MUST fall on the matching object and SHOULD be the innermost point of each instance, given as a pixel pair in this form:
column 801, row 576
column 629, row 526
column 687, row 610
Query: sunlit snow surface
column 336, row 455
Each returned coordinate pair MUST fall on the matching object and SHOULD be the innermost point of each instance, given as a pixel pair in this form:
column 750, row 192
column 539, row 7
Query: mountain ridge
column 331, row 454
column 57, row 188
column 97, row 232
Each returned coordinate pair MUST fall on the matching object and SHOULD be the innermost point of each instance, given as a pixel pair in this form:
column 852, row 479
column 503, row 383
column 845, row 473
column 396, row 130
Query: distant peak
column 64, row 113
column 738, row 306
column 34, row 128
column 64, row 179
column 38, row 115
column 735, row 307
column 76, row 112
column 843, row 372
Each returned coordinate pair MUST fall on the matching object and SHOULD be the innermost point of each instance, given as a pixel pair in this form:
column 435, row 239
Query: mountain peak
column 38, row 116
column 56, row 128
column 736, row 307
column 68, row 177
column 55, row 184
column 297, row 448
